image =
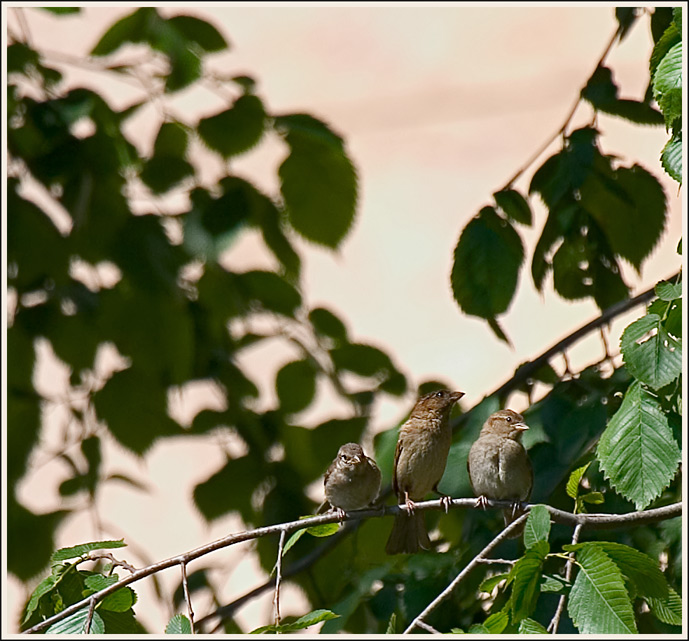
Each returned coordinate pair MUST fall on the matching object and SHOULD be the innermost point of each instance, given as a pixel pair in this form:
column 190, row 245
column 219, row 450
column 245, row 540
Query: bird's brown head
column 507, row 423
column 350, row 454
column 436, row 404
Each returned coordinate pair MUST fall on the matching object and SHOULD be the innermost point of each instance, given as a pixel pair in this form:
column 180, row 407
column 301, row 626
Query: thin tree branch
column 89, row 616
column 552, row 627
column 468, row 568
column 592, row 521
column 563, row 129
column 278, row 577
column 187, row 597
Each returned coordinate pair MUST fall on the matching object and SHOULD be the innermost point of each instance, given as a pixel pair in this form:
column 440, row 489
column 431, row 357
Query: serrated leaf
column 650, row 354
column 668, row 291
column 295, row 384
column 478, row 628
column 529, row 626
column 98, row 582
column 551, row 584
column 537, row 526
column 669, row 609
column 671, row 157
column 76, row 624
column 79, row 550
column 318, row 181
column 598, row 602
column 178, row 624
column 637, row 451
column 668, row 75
column 595, row 498
column 392, row 624
column 526, row 575
column 487, row 260
column 300, row 624
column 45, row 586
column 235, row 130
column 629, row 205
column 488, row 585
column 497, row 622
column 640, row 568
column 515, row 206
column 574, row 479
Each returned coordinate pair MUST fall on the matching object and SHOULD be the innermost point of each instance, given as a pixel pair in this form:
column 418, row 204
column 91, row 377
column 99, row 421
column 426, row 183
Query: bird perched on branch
column 498, row 465
column 420, row 458
column 351, row 482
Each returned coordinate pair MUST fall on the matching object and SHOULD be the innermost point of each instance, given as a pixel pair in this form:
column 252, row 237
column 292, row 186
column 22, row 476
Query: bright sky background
column 439, row 106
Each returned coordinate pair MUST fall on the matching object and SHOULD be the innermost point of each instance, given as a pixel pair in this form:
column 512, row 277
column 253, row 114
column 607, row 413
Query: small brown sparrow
column 351, row 482
column 498, row 465
column 420, row 458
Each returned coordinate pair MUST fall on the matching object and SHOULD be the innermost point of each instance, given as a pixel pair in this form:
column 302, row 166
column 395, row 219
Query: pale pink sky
column 439, row 106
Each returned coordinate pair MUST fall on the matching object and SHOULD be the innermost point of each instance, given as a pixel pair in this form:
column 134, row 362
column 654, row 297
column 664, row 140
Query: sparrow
column 351, row 482
column 498, row 465
column 420, row 458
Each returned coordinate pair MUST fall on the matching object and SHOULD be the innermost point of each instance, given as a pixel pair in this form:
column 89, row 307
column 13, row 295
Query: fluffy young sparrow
column 420, row 458
column 351, row 482
column 498, row 465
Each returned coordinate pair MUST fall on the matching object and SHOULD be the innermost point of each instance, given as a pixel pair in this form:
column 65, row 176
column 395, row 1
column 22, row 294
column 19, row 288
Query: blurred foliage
column 175, row 314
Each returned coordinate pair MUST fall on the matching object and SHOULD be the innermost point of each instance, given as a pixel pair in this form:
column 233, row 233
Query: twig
column 187, row 597
column 89, row 616
column 592, row 521
column 428, row 628
column 552, row 627
column 468, row 568
column 278, row 577
column 562, row 130
column 497, row 561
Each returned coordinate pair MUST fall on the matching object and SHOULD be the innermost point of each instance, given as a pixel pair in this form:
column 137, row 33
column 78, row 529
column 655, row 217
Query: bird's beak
column 356, row 459
column 456, row 396
column 521, row 426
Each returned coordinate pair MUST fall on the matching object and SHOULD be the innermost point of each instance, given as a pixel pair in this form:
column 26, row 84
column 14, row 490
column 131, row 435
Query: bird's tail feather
column 408, row 534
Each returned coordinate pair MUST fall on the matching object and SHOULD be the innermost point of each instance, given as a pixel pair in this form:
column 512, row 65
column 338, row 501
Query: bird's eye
column 508, row 419
column 439, row 394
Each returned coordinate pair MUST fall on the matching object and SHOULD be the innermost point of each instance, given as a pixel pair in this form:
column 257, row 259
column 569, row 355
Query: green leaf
column 488, row 585
column 600, row 89
column 669, row 609
column 295, row 384
column 668, row 75
column 478, row 628
column 486, row 266
column 200, row 32
column 595, row 498
column 162, row 173
column 135, row 410
column 76, row 624
column 318, row 181
column 392, row 624
column 327, row 324
column 670, row 37
column 650, row 354
column 598, row 602
column 96, row 582
column 45, row 586
column 637, row 451
column 668, row 291
column 63, row 554
column 62, row 10
column 178, row 624
column 271, row 291
column 640, row 568
column 293, row 539
column 629, row 205
column 671, row 157
column 497, row 622
column 324, row 530
column 575, row 477
column 131, row 28
column 529, row 626
column 626, row 17
column 515, row 206
column 119, row 601
column 551, row 584
column 671, row 106
column 537, row 526
column 235, row 130
column 526, row 576
column 300, row 624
